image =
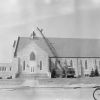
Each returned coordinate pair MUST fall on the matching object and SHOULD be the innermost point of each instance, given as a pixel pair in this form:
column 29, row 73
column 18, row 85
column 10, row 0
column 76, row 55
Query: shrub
column 92, row 74
column 96, row 72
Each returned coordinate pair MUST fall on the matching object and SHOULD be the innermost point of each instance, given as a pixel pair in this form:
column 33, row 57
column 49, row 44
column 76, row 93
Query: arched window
column 32, row 56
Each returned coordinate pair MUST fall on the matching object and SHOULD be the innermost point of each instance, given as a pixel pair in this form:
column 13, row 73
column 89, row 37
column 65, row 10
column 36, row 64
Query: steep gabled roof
column 65, row 47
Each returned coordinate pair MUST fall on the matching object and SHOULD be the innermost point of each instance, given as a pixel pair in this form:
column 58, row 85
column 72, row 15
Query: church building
column 34, row 55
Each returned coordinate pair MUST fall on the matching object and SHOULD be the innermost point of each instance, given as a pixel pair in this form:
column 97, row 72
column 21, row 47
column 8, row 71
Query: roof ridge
column 61, row 38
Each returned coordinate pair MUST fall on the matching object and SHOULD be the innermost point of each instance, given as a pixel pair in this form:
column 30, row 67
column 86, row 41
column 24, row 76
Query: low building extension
column 9, row 70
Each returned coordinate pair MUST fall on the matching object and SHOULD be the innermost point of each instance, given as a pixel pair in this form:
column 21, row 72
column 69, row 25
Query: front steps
column 34, row 76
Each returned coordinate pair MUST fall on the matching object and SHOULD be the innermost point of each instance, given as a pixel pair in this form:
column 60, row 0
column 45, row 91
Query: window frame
column 32, row 56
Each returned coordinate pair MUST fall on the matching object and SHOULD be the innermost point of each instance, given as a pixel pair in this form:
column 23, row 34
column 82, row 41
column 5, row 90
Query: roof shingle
column 65, row 47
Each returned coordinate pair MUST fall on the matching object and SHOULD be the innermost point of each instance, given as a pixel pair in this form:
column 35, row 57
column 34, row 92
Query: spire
column 33, row 35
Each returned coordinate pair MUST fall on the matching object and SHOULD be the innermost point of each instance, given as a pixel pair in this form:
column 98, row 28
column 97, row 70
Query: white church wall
column 14, row 66
column 82, row 65
column 41, row 55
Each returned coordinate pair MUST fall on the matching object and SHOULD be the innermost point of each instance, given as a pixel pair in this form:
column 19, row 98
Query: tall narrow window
column 23, row 65
column 81, row 63
column 31, row 69
column 95, row 63
column 85, row 64
column 40, row 65
column 5, row 68
column 10, row 68
column 71, row 63
column 99, row 64
column 32, row 56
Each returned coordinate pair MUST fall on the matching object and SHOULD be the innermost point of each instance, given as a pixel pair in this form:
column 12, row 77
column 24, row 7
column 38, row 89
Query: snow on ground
column 31, row 83
column 47, row 94
column 51, row 90
column 61, row 83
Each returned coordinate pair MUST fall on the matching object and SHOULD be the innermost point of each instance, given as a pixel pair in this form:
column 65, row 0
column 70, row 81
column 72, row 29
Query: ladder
column 51, row 47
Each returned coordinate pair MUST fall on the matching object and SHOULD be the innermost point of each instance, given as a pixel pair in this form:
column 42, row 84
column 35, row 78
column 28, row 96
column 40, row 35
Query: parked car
column 10, row 77
column 70, row 72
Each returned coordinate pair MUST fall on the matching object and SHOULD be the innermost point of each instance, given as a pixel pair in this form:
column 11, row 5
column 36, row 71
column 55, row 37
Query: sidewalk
column 52, row 83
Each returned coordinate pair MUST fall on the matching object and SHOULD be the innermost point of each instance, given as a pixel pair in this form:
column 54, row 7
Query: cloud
column 8, row 6
column 47, row 1
column 17, row 17
column 96, row 2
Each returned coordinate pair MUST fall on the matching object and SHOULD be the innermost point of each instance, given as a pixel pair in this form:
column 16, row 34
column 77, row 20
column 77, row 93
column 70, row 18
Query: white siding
column 41, row 55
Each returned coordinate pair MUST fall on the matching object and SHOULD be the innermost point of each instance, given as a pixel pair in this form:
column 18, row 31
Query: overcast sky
column 58, row 18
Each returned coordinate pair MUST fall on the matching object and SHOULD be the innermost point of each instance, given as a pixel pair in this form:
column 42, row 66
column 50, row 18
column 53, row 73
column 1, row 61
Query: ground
column 47, row 94
column 70, row 81
column 49, row 89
